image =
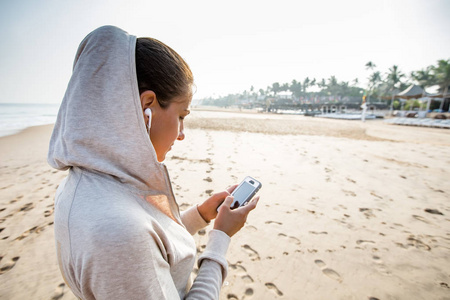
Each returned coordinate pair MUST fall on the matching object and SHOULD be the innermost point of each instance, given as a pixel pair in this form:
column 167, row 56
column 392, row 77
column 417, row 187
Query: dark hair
column 161, row 70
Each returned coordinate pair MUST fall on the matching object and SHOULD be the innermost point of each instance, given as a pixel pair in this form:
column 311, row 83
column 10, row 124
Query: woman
column 119, row 233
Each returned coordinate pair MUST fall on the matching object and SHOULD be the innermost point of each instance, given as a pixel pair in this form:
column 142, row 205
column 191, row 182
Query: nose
column 181, row 131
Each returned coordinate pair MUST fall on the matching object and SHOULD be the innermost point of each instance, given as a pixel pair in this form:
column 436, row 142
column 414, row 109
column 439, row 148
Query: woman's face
column 167, row 124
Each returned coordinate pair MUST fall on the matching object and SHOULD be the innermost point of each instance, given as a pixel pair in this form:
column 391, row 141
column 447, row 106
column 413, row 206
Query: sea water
column 15, row 117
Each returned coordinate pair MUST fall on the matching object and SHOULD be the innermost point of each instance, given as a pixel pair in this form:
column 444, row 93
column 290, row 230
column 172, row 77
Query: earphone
column 148, row 112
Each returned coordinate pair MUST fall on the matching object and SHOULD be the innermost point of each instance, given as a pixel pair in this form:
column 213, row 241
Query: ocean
column 15, row 117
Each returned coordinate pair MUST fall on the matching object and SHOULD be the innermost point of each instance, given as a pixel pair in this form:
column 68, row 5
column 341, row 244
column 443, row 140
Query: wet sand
column 348, row 210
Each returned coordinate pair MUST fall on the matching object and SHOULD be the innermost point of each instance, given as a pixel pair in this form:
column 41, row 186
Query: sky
column 229, row 45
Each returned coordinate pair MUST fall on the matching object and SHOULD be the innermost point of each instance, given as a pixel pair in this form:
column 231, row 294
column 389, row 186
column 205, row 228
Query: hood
column 100, row 126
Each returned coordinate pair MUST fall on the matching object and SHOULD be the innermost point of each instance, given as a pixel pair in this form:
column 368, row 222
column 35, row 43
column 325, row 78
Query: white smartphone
column 245, row 191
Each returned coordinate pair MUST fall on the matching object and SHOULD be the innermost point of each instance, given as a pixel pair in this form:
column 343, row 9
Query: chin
column 161, row 158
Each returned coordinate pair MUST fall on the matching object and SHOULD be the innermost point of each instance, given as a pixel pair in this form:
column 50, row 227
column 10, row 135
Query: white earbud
column 148, row 112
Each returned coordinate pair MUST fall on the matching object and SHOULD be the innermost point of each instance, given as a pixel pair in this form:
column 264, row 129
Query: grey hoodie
column 119, row 233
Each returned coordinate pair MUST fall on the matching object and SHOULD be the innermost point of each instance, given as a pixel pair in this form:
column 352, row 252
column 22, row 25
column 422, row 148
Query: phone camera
column 252, row 182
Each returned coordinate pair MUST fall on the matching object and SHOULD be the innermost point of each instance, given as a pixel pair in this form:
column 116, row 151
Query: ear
column 148, row 100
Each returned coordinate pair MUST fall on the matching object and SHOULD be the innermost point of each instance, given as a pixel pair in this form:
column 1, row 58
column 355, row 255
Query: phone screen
column 241, row 194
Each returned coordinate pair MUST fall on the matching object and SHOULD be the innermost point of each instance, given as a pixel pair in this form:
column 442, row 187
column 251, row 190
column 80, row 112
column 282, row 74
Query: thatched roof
column 413, row 91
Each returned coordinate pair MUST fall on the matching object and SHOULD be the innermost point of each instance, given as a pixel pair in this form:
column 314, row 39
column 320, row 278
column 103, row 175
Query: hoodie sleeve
column 192, row 220
column 212, row 267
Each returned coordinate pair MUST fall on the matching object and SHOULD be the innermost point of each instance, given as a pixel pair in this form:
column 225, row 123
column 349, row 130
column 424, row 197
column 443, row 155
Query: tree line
column 381, row 86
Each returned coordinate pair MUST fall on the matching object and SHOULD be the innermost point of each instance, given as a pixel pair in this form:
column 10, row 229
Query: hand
column 208, row 209
column 230, row 220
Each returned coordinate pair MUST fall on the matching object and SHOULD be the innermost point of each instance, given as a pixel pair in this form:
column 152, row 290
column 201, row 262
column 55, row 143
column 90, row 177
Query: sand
column 348, row 210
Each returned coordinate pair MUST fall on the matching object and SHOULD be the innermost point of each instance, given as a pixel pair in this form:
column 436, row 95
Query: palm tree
column 333, row 86
column 374, row 80
column 322, row 84
column 423, row 77
column 393, row 80
column 370, row 66
column 296, row 88
column 284, row 87
column 394, row 76
column 345, row 88
column 306, row 83
column 275, row 87
column 442, row 75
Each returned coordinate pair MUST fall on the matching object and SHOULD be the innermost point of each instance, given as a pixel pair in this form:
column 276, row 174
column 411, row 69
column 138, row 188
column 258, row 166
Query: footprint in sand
column 247, row 279
column 5, row 187
column 251, row 228
column 48, row 213
column 240, row 270
column 27, row 207
column 375, row 195
column 433, row 211
column 351, row 180
column 8, row 266
column 368, row 212
column 59, row 292
column 444, row 285
column 380, row 266
column 274, row 222
column 317, row 232
column 248, row 292
column 184, row 206
column 292, row 239
column 327, row 271
column 349, row 193
column 272, row 287
column 420, row 218
column 35, row 229
column 359, row 242
column 412, row 241
column 251, row 253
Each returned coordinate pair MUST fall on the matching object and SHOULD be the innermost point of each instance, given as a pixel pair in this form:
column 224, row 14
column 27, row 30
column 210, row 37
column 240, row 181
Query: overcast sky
column 230, row 45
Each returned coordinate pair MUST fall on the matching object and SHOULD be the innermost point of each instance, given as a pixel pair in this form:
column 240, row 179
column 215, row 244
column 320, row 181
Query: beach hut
column 412, row 92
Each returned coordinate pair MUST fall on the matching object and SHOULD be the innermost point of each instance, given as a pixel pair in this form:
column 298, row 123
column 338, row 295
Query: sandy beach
column 348, row 210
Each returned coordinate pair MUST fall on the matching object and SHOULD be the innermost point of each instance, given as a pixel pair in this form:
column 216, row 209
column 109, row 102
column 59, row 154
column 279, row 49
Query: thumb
column 228, row 201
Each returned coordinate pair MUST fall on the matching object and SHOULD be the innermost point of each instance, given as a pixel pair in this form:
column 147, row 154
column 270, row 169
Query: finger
column 251, row 205
column 230, row 189
column 220, row 196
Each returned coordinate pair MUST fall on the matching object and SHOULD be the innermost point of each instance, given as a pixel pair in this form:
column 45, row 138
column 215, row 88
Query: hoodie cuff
column 192, row 220
column 216, row 249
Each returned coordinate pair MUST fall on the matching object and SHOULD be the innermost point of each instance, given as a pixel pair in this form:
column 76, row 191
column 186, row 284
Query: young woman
column 119, row 232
